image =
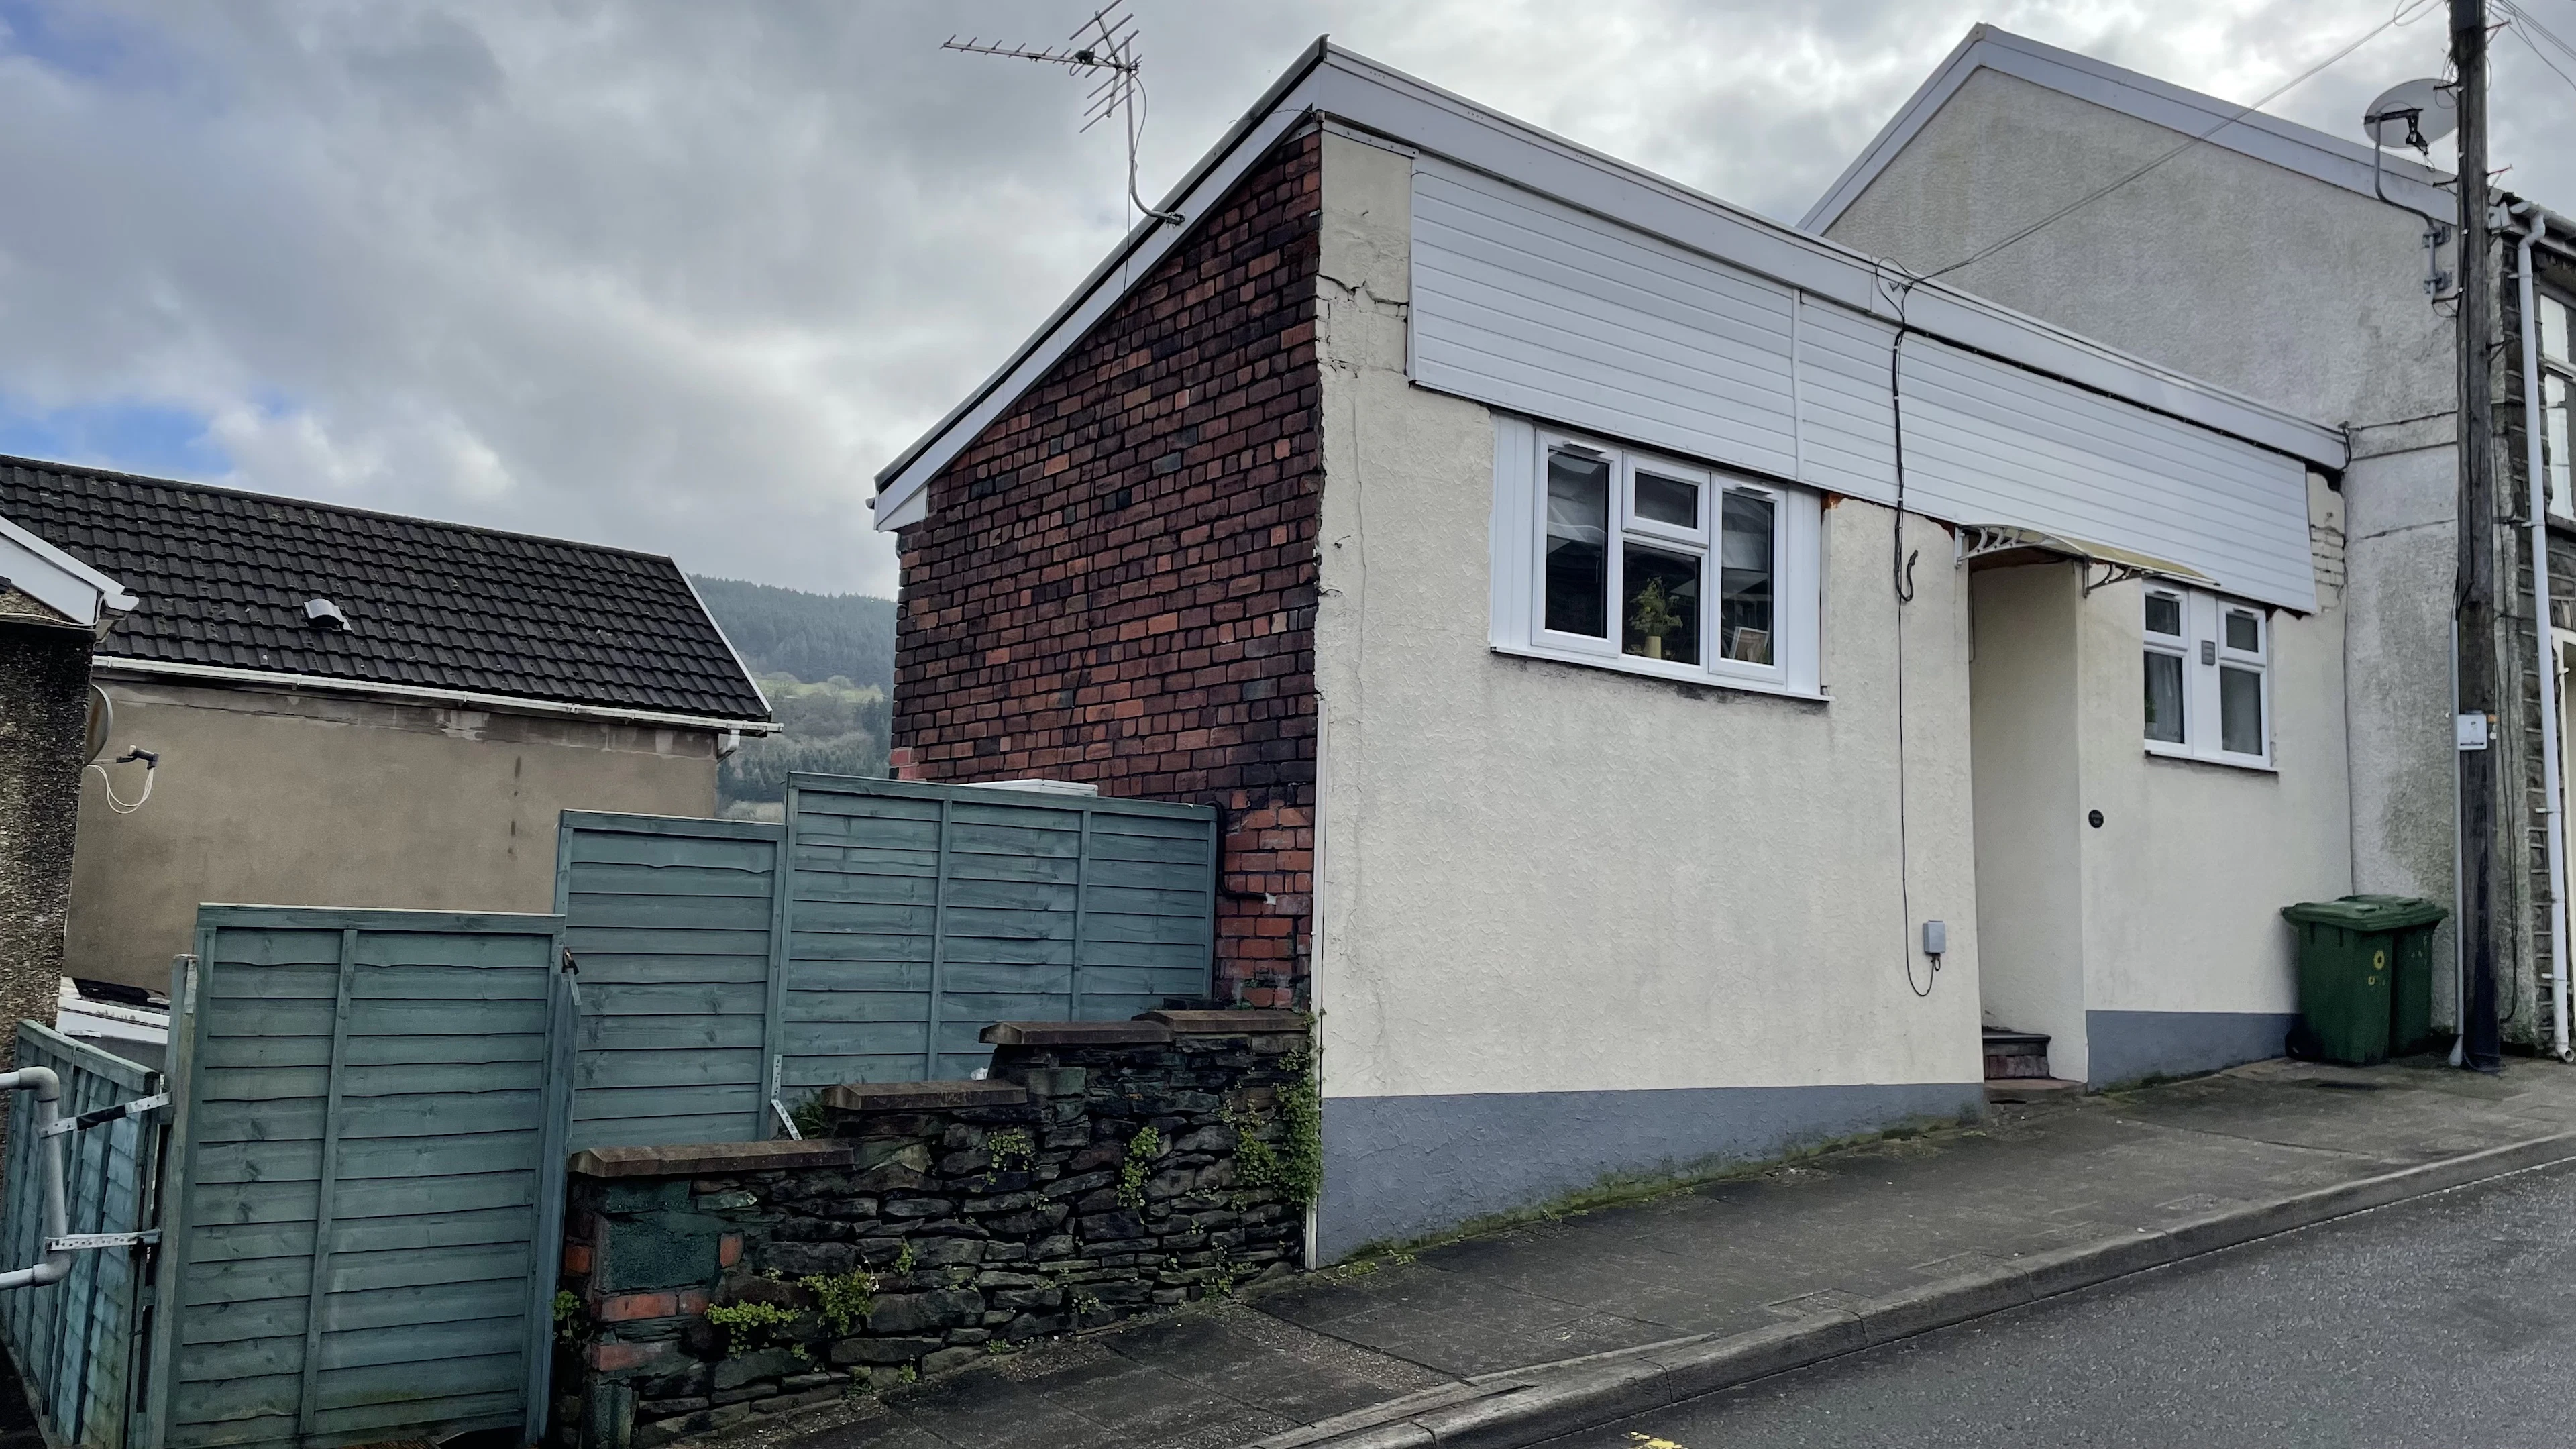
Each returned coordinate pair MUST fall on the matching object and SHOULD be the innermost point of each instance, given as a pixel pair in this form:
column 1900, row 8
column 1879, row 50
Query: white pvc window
column 2557, row 380
column 1644, row 562
column 2207, row 665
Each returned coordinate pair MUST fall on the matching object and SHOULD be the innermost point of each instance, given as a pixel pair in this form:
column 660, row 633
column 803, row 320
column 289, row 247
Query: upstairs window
column 2208, row 663
column 1611, row 556
column 2557, row 375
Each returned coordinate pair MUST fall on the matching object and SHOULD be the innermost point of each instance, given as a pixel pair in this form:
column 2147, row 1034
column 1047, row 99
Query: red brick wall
column 1116, row 581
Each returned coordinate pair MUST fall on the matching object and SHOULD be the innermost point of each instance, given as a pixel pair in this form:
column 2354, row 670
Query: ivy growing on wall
column 1292, row 1165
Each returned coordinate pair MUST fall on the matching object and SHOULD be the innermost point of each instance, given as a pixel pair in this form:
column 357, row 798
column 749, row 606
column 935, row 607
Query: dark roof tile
column 222, row 577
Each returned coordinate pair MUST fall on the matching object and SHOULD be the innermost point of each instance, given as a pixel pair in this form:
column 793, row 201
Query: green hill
column 826, row 661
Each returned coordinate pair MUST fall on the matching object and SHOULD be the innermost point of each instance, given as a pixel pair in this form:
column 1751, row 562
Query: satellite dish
column 102, row 722
column 2413, row 113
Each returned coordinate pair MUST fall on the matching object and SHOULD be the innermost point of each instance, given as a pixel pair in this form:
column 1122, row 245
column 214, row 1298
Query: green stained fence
column 75, row 1341
column 365, row 1178
column 910, row 917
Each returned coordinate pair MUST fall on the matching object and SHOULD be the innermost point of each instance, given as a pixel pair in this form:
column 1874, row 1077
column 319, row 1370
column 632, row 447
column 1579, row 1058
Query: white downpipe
column 57, row 1262
column 2550, row 773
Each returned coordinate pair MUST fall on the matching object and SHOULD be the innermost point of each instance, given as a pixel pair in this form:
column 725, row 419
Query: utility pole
column 2475, row 614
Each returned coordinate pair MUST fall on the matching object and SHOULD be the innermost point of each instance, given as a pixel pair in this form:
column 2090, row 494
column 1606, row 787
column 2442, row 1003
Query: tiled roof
column 222, row 578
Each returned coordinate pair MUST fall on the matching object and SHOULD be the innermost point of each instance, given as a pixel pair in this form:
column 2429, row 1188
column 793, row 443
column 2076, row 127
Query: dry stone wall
column 1101, row 1172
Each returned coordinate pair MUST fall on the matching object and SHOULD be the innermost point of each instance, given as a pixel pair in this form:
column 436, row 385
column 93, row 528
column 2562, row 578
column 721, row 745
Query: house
column 52, row 606
column 2299, row 268
column 357, row 708
column 1650, row 659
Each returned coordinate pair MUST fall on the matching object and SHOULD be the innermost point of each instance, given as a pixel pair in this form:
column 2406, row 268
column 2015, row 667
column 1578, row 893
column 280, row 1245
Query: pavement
column 1563, row 1324
column 2444, row 1320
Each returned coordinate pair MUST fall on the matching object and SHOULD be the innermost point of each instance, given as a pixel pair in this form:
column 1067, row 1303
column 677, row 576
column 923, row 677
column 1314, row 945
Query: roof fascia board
column 114, row 665
column 77, row 591
column 1355, row 90
column 2286, row 144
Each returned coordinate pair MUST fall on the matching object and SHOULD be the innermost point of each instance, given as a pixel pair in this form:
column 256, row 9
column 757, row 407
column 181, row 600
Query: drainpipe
column 57, row 1261
column 2534, row 224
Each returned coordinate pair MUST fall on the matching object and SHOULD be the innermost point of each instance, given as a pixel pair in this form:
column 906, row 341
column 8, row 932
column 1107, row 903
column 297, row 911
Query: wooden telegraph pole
column 2475, row 614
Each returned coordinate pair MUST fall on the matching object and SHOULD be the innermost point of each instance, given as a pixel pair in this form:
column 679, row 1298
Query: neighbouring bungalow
column 1652, row 661
column 351, row 708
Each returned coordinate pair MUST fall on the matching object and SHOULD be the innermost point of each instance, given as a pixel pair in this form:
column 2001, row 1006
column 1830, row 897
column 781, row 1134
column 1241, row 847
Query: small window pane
column 2553, row 330
column 2164, row 697
column 1744, row 616
column 2553, row 408
column 2164, row 614
column 1578, row 544
column 2244, row 632
column 2240, row 711
column 1662, row 605
column 1667, row 500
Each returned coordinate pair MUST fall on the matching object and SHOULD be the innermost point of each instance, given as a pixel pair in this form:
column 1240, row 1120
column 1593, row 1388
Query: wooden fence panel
column 74, row 1341
column 370, row 1123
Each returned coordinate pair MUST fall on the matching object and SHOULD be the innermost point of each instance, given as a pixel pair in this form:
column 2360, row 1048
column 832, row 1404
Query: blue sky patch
column 130, row 437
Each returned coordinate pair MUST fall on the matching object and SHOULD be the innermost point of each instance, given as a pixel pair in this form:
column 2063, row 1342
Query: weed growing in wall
column 1142, row 1149
column 810, row 1118
column 572, row 1325
column 843, row 1300
column 1011, row 1150
column 748, row 1325
column 1293, row 1166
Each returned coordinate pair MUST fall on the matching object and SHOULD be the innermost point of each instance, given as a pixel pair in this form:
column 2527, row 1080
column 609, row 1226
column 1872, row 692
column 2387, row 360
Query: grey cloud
column 683, row 276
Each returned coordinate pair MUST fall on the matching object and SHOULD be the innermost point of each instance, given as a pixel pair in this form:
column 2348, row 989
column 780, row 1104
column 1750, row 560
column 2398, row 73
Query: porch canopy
column 2002, row 545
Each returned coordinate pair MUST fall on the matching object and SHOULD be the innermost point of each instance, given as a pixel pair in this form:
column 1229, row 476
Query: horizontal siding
column 1989, row 443
column 1530, row 306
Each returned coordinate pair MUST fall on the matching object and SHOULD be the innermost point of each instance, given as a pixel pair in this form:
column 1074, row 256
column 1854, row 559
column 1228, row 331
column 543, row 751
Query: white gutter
column 2535, row 224
column 114, row 665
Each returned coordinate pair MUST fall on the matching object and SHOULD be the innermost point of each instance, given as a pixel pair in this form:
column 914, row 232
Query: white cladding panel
column 1529, row 305
column 1526, row 304
column 1986, row 442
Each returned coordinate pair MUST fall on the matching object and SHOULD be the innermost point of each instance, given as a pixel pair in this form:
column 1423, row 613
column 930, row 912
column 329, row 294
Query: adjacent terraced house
column 1652, row 662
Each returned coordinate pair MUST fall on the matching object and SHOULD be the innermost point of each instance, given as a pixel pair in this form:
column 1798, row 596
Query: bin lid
column 2367, row 912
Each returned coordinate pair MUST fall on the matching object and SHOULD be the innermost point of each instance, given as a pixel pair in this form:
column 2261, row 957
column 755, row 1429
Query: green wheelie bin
column 2365, row 977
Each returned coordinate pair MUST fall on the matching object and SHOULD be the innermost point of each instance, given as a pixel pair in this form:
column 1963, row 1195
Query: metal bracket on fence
column 139, row 1107
column 77, row 1242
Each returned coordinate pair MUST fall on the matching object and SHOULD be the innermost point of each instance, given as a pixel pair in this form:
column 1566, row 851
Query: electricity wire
column 2396, row 17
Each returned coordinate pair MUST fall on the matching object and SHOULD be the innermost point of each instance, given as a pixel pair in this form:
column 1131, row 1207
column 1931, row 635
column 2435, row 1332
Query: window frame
column 1519, row 610
column 2206, row 656
column 2555, row 441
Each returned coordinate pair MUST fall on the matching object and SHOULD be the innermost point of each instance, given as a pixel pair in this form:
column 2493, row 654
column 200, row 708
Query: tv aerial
column 2414, row 113
column 1103, row 46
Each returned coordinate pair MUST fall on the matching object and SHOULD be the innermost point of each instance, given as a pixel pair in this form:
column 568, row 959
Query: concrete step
column 2015, row 1055
column 2030, row 1089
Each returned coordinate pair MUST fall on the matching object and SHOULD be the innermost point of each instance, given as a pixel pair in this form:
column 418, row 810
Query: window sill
column 2224, row 762
column 1663, row 673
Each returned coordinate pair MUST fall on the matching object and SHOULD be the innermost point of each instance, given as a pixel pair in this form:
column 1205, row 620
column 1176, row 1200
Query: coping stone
column 919, row 1096
column 1230, row 1023
column 1076, row 1033
column 711, row 1158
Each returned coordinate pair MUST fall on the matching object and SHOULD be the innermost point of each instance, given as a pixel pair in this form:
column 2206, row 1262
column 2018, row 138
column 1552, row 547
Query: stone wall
column 1099, row 1173
column 44, row 713
column 1115, row 582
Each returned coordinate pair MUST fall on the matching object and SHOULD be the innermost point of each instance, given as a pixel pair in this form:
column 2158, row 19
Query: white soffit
column 57, row 580
column 1330, row 81
column 2310, row 153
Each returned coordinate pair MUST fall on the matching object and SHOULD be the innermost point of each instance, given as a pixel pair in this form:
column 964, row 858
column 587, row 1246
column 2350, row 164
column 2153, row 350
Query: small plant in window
column 1654, row 617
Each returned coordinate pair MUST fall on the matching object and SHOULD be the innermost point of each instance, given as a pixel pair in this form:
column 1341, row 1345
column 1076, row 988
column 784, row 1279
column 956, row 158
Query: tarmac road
column 2448, row 1320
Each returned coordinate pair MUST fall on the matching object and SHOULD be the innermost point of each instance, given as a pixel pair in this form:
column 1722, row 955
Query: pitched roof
column 221, row 578
column 1346, row 88
column 2224, row 124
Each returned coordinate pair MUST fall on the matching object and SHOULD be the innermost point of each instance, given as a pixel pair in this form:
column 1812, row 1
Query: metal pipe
column 57, row 1261
column 2551, row 772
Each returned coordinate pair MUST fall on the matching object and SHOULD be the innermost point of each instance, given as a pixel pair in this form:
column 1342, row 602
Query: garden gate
column 365, row 1178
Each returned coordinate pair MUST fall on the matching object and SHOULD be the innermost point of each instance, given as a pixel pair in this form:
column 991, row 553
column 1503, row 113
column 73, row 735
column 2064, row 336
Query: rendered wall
column 2288, row 289
column 273, row 798
column 1574, row 922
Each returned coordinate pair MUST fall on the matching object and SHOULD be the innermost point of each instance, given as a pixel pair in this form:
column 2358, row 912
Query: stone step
column 2015, row 1055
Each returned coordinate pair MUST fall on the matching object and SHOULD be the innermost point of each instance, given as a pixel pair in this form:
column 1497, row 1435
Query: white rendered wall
column 1539, row 878
column 2288, row 289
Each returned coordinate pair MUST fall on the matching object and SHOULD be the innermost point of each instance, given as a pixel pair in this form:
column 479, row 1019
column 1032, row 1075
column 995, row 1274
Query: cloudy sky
column 682, row 276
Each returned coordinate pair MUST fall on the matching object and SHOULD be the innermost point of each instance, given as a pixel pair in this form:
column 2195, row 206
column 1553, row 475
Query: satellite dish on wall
column 2412, row 113
column 102, row 723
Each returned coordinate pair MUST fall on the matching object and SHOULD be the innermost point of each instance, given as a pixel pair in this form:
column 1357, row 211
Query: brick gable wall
column 1115, row 582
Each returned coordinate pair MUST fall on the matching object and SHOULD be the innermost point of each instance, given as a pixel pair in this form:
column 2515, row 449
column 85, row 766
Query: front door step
column 2013, row 1056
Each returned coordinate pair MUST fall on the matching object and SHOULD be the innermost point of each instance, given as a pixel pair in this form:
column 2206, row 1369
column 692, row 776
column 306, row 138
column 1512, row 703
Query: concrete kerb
column 1531, row 1405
